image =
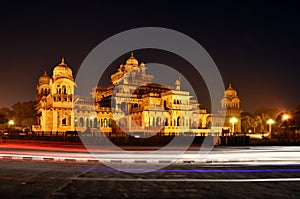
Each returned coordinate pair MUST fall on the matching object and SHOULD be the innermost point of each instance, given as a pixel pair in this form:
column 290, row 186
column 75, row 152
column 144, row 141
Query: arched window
column 64, row 122
column 110, row 122
column 150, row 121
column 105, row 122
column 158, row 121
column 166, row 122
column 81, row 122
column 91, row 123
column 87, row 122
column 95, row 123
column 178, row 121
column 64, row 90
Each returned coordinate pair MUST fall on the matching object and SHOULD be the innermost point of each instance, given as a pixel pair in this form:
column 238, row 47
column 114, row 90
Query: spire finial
column 177, row 84
column 131, row 54
column 62, row 60
column 230, row 85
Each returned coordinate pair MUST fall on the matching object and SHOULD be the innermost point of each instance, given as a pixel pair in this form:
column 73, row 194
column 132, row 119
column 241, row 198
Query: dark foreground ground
column 31, row 179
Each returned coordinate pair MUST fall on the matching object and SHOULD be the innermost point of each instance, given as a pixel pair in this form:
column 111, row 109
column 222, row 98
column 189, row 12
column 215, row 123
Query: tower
column 54, row 99
column 231, row 108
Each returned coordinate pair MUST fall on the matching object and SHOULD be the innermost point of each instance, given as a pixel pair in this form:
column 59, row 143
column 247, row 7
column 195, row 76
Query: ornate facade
column 231, row 108
column 54, row 100
column 132, row 103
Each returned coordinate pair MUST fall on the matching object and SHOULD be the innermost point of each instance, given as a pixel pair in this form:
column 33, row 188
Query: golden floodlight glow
column 11, row 122
column 270, row 121
column 233, row 120
column 286, row 117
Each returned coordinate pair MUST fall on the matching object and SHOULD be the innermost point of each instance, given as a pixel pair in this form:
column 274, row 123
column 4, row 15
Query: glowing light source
column 11, row 122
column 270, row 122
column 233, row 120
column 286, row 117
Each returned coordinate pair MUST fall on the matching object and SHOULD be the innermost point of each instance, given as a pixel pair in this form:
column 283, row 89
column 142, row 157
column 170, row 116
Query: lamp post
column 233, row 120
column 11, row 123
column 270, row 122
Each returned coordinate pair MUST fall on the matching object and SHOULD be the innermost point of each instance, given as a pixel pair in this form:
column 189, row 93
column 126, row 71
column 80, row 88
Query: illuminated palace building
column 131, row 103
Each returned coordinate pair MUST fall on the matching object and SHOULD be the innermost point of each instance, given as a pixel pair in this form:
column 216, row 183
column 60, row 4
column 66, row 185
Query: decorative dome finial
column 177, row 84
column 132, row 54
column 62, row 60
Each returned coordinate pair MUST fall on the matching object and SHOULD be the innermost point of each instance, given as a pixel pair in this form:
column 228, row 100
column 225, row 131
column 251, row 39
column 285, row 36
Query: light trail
column 220, row 155
column 198, row 170
column 189, row 180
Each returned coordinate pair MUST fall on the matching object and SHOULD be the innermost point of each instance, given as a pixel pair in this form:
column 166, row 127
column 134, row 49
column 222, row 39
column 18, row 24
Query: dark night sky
column 255, row 45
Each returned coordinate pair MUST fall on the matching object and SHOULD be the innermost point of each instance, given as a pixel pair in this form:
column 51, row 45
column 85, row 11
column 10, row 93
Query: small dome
column 142, row 64
column 62, row 70
column 132, row 61
column 44, row 79
column 230, row 92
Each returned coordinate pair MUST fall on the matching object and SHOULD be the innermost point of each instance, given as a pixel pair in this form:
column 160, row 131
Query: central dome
column 62, row 70
column 132, row 61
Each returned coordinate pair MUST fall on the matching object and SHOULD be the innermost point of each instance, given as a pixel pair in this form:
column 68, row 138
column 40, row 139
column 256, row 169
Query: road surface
column 31, row 179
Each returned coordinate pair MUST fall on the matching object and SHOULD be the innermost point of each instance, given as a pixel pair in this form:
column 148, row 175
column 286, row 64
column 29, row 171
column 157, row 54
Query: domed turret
column 132, row 61
column 230, row 92
column 44, row 79
column 62, row 71
column 142, row 64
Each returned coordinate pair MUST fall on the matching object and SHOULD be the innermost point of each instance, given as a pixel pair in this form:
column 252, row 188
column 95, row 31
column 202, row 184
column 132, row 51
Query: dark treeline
column 22, row 113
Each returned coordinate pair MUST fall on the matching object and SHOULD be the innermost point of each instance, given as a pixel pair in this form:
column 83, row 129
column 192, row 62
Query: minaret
column 177, row 85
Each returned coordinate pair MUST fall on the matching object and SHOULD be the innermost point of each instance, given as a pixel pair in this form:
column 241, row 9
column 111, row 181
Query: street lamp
column 270, row 122
column 233, row 120
column 11, row 123
column 285, row 117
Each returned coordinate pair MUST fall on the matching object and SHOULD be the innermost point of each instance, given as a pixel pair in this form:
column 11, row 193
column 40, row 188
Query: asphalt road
column 41, row 179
